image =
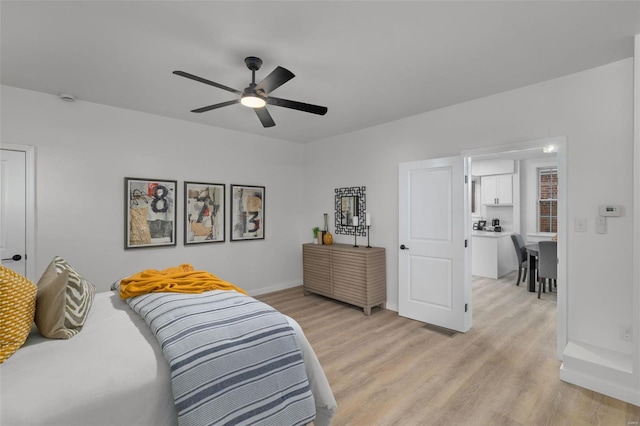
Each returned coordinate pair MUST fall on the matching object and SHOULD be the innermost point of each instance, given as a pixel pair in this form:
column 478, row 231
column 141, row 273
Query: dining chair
column 521, row 255
column 547, row 264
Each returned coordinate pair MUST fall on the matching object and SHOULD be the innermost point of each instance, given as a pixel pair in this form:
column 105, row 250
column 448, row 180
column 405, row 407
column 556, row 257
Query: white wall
column 84, row 151
column 636, row 213
column 593, row 109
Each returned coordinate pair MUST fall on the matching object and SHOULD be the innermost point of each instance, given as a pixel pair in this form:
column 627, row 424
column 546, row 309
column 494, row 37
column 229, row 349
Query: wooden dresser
column 355, row 275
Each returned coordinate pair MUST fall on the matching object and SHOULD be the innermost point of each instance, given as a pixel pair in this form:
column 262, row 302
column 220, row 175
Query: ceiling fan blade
column 215, row 106
column 277, row 78
column 265, row 117
column 300, row 106
column 205, row 81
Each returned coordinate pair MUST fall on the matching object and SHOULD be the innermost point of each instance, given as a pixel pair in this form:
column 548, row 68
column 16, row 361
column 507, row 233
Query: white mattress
column 112, row 373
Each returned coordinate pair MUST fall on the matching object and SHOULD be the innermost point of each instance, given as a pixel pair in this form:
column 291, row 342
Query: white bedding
column 112, row 373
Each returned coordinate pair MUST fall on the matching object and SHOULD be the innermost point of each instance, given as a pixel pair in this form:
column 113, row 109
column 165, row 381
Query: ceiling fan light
column 252, row 101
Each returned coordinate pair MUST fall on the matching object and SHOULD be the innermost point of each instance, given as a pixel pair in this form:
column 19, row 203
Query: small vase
column 327, row 238
column 315, row 240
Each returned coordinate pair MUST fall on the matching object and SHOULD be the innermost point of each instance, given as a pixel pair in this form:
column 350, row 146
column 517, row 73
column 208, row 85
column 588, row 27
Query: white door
column 433, row 283
column 13, row 210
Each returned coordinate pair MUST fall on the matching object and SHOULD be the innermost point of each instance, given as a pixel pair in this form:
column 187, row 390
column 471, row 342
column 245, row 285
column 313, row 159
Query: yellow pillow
column 17, row 309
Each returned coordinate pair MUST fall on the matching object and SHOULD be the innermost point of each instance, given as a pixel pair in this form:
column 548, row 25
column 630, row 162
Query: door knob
column 15, row 257
column 403, row 247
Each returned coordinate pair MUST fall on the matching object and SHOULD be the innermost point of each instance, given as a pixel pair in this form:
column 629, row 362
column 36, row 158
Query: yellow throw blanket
column 180, row 279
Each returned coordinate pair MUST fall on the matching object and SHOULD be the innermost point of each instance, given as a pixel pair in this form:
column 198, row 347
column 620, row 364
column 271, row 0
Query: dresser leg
column 367, row 311
column 306, row 293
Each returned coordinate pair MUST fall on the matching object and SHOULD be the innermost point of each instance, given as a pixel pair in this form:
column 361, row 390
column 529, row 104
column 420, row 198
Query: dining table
column 532, row 250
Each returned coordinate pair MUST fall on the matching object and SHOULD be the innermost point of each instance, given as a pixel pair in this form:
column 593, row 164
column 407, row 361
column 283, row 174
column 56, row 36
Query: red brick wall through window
column 548, row 200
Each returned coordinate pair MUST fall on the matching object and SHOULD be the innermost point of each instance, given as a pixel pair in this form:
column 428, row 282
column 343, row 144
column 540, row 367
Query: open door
column 432, row 262
column 13, row 206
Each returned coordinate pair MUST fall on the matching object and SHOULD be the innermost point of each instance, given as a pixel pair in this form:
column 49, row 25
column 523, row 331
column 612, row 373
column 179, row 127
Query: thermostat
column 609, row 210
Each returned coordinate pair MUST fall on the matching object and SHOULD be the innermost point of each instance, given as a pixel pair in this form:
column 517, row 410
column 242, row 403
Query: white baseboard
column 277, row 287
column 601, row 370
column 597, row 384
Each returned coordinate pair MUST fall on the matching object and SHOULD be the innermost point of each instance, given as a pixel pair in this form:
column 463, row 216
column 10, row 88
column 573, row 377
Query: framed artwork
column 203, row 213
column 150, row 214
column 247, row 212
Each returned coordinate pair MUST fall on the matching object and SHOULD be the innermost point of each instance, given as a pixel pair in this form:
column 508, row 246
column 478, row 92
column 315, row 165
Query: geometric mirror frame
column 353, row 191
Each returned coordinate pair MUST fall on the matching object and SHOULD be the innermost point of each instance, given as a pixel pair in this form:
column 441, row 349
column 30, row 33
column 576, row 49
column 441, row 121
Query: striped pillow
column 63, row 302
column 17, row 306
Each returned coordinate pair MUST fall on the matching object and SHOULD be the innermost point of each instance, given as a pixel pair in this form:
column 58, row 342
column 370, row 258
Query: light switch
column 601, row 227
column 580, row 224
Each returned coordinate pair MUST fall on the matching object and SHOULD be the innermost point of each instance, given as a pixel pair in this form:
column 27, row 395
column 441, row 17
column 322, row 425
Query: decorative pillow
column 17, row 307
column 63, row 301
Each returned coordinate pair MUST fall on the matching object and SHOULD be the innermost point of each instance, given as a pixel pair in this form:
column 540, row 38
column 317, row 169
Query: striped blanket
column 234, row 360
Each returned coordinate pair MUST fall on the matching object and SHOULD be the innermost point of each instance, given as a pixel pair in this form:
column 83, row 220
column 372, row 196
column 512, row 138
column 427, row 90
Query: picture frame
column 247, row 212
column 204, row 208
column 150, row 212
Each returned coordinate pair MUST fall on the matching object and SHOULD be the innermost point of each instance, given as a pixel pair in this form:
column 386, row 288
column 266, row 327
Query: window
column 548, row 200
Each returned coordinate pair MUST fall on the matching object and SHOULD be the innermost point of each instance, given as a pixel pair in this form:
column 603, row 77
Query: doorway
column 529, row 153
column 17, row 191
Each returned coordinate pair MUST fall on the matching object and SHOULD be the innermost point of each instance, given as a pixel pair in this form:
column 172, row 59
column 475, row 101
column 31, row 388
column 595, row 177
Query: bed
column 113, row 372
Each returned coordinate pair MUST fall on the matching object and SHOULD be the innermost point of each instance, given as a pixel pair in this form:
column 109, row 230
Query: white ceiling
column 369, row 62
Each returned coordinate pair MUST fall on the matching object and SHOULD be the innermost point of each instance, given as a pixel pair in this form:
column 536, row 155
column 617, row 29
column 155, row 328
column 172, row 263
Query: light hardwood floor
column 389, row 370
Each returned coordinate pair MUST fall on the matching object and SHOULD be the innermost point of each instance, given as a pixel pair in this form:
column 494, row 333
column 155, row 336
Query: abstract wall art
column 203, row 212
column 247, row 212
column 150, row 214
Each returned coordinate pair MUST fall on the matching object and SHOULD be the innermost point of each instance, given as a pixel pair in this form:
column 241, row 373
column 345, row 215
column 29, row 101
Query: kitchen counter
column 492, row 254
column 490, row 234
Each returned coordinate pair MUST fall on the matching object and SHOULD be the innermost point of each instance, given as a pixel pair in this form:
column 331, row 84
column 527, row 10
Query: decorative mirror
column 350, row 204
column 349, row 211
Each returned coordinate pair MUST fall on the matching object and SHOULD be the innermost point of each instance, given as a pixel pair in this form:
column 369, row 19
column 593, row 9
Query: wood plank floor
column 389, row 370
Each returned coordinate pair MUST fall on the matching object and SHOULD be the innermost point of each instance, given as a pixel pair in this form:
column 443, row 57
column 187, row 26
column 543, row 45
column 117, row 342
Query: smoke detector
column 67, row 97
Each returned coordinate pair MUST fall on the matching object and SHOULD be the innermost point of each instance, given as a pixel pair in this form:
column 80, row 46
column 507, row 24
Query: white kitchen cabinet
column 492, row 254
column 497, row 189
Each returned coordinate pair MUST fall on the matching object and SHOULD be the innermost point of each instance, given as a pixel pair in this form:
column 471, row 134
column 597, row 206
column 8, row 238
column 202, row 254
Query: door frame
column 30, row 198
column 562, row 293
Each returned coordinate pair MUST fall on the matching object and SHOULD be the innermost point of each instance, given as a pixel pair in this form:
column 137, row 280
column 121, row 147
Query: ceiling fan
column 257, row 96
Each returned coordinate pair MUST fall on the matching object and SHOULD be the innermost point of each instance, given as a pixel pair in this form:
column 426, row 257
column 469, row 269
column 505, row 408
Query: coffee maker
column 480, row 225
